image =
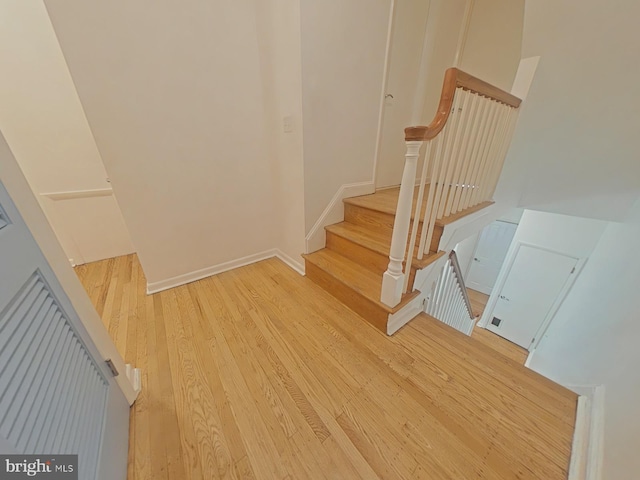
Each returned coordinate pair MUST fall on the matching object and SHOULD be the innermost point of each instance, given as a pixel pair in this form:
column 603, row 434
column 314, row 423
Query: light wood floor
column 496, row 342
column 258, row 373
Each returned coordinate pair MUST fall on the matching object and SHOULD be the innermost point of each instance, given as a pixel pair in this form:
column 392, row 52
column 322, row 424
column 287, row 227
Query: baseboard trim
column 527, row 363
column 334, row 213
column 295, row 265
column 587, row 451
column 410, row 311
column 133, row 374
column 179, row 280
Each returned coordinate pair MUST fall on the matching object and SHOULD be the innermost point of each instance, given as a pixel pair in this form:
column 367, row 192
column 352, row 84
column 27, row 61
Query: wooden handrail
column 456, row 78
column 456, row 268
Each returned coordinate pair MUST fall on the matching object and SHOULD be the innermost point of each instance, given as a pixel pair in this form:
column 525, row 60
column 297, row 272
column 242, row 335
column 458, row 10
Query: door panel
column 536, row 279
column 409, row 26
column 491, row 251
column 56, row 394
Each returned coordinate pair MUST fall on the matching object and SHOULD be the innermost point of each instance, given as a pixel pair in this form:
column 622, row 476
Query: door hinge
column 573, row 269
column 112, row 367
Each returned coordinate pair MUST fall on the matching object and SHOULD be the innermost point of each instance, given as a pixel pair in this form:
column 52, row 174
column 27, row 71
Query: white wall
column 280, row 64
column 409, row 29
column 576, row 135
column 492, row 49
column 445, row 22
column 278, row 26
column 343, row 51
column 467, row 247
column 45, row 126
column 173, row 94
column 572, row 236
column 594, row 340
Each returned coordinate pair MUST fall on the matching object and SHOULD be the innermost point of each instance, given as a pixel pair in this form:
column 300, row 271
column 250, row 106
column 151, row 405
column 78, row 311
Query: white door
column 405, row 49
column 534, row 285
column 56, row 394
column 490, row 253
column 414, row 76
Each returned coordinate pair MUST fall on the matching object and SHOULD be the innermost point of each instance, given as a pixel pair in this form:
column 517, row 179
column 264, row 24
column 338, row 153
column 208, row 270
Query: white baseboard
column 527, row 363
column 155, row 287
column 334, row 213
column 133, row 374
column 399, row 319
column 587, row 451
column 296, row 265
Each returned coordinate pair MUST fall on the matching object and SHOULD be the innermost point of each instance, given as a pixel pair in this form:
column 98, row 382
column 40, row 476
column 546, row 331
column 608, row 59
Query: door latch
column 112, row 367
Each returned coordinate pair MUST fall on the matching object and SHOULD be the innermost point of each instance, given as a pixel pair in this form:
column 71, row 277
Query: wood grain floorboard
column 495, row 342
column 258, row 373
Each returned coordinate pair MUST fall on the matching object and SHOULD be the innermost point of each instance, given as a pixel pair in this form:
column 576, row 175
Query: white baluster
column 438, row 166
column 513, row 118
column 492, row 156
column 393, row 278
column 475, row 154
column 416, row 216
column 475, row 196
column 454, row 156
column 468, row 139
column 453, row 145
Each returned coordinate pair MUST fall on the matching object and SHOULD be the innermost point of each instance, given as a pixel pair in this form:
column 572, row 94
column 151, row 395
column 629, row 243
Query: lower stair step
column 354, row 285
column 378, row 242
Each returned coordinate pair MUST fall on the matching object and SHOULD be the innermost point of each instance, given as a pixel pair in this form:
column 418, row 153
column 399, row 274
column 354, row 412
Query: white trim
column 587, row 451
column 596, row 435
column 527, row 363
column 297, row 266
column 73, row 194
column 464, row 32
column 407, row 313
column 334, row 213
column 179, row 280
column 580, row 445
column 134, row 376
column 385, row 79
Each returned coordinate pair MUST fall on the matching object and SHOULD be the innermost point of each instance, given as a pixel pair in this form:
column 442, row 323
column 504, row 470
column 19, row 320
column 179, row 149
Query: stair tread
column 386, row 201
column 378, row 240
column 363, row 281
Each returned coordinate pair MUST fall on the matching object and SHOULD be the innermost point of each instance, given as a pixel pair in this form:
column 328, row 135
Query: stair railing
column 449, row 301
column 466, row 144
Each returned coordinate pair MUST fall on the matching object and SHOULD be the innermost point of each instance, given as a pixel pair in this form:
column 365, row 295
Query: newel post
column 393, row 278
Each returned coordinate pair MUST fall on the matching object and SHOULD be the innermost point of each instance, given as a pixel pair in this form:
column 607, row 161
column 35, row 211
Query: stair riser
column 379, row 220
column 372, row 260
column 359, row 304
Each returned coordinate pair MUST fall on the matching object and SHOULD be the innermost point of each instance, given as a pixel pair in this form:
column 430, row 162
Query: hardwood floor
column 259, row 373
column 496, row 342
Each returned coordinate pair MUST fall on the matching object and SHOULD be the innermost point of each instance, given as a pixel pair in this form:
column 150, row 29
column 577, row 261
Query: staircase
column 384, row 260
column 356, row 255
